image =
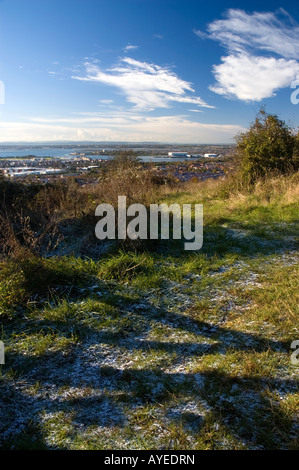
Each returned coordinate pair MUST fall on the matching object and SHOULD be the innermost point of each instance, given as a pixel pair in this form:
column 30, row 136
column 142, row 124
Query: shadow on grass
column 77, row 383
column 220, row 241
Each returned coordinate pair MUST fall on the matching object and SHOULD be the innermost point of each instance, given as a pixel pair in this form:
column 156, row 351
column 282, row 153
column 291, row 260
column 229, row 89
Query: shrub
column 296, row 151
column 267, row 147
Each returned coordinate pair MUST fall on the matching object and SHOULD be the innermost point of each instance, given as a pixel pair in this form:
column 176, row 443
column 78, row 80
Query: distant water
column 38, row 152
column 66, row 153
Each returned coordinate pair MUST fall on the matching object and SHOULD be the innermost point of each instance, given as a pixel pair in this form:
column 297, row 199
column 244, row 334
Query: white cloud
column 240, row 31
column 106, row 101
column 145, row 85
column 130, row 47
column 200, row 34
column 244, row 73
column 129, row 127
column 253, row 78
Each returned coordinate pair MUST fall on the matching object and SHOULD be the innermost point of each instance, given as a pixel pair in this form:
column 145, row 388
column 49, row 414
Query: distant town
column 46, row 164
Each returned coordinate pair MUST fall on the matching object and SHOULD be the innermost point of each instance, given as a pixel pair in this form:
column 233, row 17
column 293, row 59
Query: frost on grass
column 156, row 382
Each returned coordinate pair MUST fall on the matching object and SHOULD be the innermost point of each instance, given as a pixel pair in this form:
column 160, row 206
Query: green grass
column 163, row 349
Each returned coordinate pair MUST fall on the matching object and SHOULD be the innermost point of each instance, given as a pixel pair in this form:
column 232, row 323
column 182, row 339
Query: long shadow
column 221, row 241
column 77, row 369
column 137, row 386
column 225, row 338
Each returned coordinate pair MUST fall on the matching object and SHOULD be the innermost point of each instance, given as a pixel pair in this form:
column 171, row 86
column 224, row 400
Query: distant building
column 177, row 154
column 24, row 171
column 210, row 155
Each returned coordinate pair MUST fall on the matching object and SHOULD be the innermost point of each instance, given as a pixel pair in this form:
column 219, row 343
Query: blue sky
column 144, row 70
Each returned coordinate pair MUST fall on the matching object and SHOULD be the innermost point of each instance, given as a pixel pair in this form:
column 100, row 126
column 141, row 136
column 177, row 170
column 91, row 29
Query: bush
column 125, row 176
column 296, row 151
column 267, row 147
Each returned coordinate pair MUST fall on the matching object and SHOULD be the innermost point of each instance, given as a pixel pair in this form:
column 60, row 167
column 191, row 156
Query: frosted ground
column 161, row 350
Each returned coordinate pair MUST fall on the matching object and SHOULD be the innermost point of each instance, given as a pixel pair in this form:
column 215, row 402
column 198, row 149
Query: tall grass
column 37, row 220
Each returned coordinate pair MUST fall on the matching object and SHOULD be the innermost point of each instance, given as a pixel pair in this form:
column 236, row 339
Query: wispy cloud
column 145, row 85
column 244, row 73
column 243, row 32
column 106, row 101
column 121, row 126
column 130, row 47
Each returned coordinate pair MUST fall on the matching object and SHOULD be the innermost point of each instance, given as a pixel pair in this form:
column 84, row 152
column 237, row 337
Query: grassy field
column 164, row 348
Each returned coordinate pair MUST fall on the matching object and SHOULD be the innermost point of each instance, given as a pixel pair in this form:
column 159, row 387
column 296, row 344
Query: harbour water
column 68, row 153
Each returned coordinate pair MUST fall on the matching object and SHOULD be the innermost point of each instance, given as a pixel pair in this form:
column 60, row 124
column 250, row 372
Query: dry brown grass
column 267, row 190
column 137, row 185
column 33, row 219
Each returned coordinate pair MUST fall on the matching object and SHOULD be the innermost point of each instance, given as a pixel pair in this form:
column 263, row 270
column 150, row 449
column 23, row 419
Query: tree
column 125, row 163
column 268, row 146
column 296, row 151
column 125, row 159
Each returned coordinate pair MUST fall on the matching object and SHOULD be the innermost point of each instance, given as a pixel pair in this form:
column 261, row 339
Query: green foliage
column 125, row 266
column 179, row 350
column 12, row 290
column 296, row 150
column 34, row 278
column 267, row 147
